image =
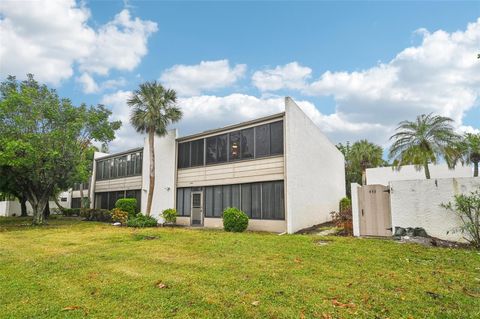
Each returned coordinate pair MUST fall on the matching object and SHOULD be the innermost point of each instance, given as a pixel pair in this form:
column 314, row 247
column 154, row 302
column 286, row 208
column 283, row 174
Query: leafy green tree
column 358, row 157
column 469, row 149
column 154, row 108
column 43, row 137
column 424, row 141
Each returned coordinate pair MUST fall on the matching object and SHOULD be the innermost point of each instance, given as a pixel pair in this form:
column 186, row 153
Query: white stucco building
column 281, row 170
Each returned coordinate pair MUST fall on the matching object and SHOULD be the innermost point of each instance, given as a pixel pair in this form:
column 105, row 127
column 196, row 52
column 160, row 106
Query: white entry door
column 197, row 209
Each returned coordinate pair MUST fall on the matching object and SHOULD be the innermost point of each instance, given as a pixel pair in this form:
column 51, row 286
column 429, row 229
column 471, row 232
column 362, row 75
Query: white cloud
column 120, row 44
column 47, row 38
column 208, row 75
column 88, row 83
column 126, row 137
column 288, row 76
column 441, row 75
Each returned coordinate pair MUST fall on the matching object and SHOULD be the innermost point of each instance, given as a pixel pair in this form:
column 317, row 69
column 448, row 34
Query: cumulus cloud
column 88, row 83
column 126, row 137
column 206, row 76
column 441, row 75
column 288, row 76
column 48, row 38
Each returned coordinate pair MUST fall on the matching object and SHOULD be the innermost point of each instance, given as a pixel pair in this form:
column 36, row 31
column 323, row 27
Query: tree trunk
column 151, row 135
column 23, row 206
column 81, row 195
column 38, row 207
column 475, row 169
column 46, row 211
column 427, row 170
column 364, row 177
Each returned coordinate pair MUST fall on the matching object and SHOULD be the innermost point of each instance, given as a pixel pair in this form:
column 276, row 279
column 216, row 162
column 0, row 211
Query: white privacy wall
column 355, row 209
column 314, row 169
column 418, row 204
column 165, row 170
column 383, row 175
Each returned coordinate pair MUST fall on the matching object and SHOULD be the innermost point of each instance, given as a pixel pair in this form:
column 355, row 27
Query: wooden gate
column 374, row 210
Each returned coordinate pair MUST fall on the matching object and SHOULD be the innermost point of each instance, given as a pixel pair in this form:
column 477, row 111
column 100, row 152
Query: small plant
column 467, row 207
column 95, row 214
column 343, row 219
column 119, row 216
column 128, row 205
column 170, row 216
column 234, row 220
column 142, row 221
column 345, row 203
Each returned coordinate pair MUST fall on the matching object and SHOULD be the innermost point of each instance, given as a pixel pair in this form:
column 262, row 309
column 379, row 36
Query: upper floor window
column 255, row 142
column 120, row 166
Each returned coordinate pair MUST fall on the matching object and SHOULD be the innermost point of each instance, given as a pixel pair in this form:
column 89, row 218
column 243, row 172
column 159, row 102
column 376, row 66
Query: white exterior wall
column 417, row 204
column 384, row 175
column 12, row 208
column 315, row 171
column 165, row 171
column 355, row 209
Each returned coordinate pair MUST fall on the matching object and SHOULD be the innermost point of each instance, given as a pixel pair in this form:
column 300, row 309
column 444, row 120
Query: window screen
column 276, row 138
column 227, row 196
column 180, row 201
column 211, row 148
column 222, row 148
column 235, row 146
column 247, row 199
column 217, row 201
column 183, row 155
column 247, row 143
column 186, row 202
column 256, row 201
column 208, row 201
column 262, row 140
column 236, row 196
column 279, row 201
column 197, row 153
column 268, row 200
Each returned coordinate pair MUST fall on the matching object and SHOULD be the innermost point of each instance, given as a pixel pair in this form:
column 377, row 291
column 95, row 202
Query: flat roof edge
column 120, row 153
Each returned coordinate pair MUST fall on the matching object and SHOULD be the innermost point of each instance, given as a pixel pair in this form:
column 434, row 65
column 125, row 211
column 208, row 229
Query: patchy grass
column 74, row 269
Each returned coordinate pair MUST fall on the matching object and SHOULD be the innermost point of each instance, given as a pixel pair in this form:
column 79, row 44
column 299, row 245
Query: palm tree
column 154, row 108
column 363, row 155
column 470, row 151
column 424, row 141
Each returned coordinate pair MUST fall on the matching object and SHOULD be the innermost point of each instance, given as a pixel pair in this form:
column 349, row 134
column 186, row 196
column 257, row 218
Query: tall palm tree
column 154, row 108
column 363, row 155
column 470, row 151
column 424, row 141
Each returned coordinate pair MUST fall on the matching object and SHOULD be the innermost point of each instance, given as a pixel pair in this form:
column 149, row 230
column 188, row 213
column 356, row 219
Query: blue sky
column 343, row 58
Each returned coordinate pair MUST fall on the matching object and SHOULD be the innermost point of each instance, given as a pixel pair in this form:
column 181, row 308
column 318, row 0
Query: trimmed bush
column 69, row 212
column 345, row 203
column 142, row 221
column 119, row 216
column 98, row 215
column 170, row 215
column 234, row 220
column 128, row 205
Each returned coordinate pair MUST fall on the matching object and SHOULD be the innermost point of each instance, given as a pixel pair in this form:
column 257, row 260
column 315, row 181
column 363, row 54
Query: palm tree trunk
column 475, row 169
column 364, row 177
column 151, row 135
column 427, row 170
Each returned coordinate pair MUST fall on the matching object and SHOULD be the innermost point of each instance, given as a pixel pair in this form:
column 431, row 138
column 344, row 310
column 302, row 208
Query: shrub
column 128, row 205
column 345, row 203
column 69, row 212
column 170, row 215
column 119, row 216
column 467, row 207
column 343, row 219
column 99, row 215
column 234, row 220
column 142, row 221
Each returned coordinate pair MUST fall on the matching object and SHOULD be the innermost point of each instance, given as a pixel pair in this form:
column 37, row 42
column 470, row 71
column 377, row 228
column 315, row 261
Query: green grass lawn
column 75, row 269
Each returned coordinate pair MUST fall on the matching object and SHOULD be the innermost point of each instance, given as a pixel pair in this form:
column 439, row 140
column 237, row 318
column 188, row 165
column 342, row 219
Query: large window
column 255, row 142
column 107, row 200
column 263, row 200
column 76, row 186
column 120, row 166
